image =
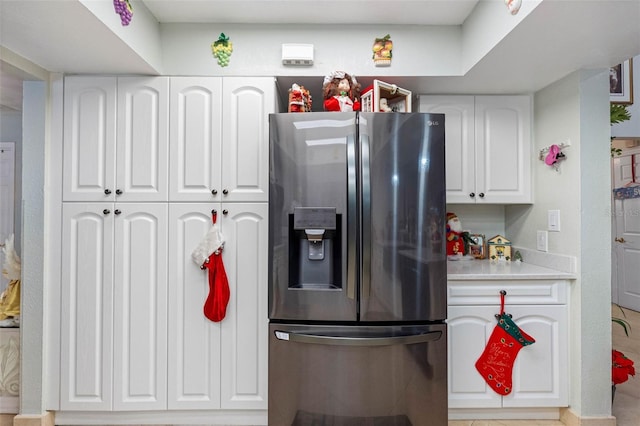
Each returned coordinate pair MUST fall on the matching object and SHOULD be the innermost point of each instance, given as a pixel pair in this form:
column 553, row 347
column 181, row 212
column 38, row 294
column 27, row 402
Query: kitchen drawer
column 520, row 292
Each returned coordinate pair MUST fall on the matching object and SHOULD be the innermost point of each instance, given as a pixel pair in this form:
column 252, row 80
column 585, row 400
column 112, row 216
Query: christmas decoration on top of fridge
column 125, row 10
column 222, row 49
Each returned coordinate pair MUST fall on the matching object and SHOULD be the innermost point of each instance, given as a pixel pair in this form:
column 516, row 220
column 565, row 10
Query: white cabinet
column 115, row 139
column 114, row 300
column 540, row 377
column 220, row 138
column 221, row 364
column 488, row 147
column 133, row 332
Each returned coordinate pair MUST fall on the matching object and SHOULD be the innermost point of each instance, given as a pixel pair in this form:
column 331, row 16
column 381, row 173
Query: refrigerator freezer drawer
column 357, row 375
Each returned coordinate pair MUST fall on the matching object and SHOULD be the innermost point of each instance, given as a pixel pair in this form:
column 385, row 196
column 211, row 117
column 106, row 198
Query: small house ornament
column 499, row 248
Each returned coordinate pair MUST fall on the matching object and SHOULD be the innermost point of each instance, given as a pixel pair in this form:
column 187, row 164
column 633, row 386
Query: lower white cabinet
column 114, row 303
column 540, row 372
column 133, row 332
column 218, row 364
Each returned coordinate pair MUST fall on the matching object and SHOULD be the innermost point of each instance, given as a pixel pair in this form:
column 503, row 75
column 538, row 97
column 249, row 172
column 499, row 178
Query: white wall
column 11, row 131
column 577, row 108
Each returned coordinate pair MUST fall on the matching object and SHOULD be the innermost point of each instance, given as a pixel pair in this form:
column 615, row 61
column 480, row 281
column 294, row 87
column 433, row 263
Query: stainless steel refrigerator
column 357, row 269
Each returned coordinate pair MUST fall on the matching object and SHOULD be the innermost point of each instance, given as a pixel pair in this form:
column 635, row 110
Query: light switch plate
column 553, row 222
column 542, row 241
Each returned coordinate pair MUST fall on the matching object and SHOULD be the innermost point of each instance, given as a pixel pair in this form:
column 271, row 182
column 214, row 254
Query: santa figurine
column 455, row 242
column 341, row 92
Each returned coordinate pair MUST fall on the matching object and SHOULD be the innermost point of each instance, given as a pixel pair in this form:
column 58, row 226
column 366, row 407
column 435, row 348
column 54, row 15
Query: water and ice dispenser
column 315, row 248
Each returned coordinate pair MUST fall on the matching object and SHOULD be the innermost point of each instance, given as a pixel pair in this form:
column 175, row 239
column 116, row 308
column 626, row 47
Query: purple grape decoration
column 124, row 9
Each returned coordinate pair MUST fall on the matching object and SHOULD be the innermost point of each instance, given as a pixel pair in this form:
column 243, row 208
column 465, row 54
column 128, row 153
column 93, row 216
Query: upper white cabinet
column 116, row 139
column 220, row 154
column 488, row 147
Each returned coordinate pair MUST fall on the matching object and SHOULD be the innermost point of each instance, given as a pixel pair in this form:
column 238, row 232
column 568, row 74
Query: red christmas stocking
column 496, row 362
column 215, row 307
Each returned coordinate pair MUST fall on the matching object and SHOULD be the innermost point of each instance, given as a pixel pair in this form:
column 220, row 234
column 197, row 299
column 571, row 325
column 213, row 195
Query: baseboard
column 44, row 419
column 569, row 418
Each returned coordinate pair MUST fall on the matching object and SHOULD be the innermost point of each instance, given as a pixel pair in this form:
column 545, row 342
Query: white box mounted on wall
column 297, row 54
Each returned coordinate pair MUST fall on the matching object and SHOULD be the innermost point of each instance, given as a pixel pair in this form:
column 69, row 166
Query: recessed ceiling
column 429, row 12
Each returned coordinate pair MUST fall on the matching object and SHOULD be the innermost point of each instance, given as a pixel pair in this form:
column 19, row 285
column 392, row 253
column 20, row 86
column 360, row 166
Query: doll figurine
column 341, row 92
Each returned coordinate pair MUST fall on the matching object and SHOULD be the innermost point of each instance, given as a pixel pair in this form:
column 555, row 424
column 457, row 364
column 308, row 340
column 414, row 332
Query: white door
column 140, row 306
column 89, row 139
column 195, row 139
column 469, row 330
column 503, row 149
column 194, row 350
column 244, row 337
column 7, row 197
column 626, row 231
column 539, row 371
column 247, row 101
column 459, row 143
column 86, row 369
column 142, row 147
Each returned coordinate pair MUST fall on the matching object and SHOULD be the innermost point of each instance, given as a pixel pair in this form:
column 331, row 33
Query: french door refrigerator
column 357, row 269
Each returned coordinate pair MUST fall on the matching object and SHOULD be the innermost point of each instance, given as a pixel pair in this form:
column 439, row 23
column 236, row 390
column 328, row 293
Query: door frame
column 614, row 257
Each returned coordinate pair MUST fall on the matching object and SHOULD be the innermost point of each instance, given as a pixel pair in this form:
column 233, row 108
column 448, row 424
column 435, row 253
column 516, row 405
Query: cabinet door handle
column 214, row 191
column 481, row 195
column 225, row 212
column 107, row 191
column 473, row 194
column 225, row 191
column 106, row 211
column 620, row 240
column 118, row 192
column 117, row 211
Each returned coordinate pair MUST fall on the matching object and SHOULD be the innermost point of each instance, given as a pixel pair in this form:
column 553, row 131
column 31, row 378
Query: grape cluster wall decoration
column 125, row 10
column 222, row 49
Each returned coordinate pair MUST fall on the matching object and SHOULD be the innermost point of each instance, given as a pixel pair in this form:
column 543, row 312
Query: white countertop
column 501, row 270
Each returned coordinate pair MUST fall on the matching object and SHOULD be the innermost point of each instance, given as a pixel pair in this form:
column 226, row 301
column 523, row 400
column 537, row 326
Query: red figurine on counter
column 455, row 242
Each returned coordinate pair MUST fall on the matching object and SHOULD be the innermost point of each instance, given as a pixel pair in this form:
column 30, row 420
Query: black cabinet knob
column 225, row 212
column 481, row 195
column 106, row 211
column 214, row 191
column 107, row 191
column 118, row 192
column 117, row 211
column 225, row 191
column 473, row 194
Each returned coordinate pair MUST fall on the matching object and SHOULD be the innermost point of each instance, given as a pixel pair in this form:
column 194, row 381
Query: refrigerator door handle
column 365, row 228
column 430, row 336
column 351, row 217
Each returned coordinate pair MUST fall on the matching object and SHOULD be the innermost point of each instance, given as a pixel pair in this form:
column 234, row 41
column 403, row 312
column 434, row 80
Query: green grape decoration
column 222, row 49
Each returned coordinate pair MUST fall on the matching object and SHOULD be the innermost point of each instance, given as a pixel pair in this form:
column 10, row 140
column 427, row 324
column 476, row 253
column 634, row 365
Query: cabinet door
column 196, row 135
column 194, row 353
column 247, row 101
column 86, row 334
column 89, row 139
column 245, row 327
column 540, row 371
column 142, row 143
column 459, row 143
column 140, row 307
column 469, row 328
column 503, row 149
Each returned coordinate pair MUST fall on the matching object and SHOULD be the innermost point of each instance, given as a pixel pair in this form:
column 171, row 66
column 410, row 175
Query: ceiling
column 558, row 38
